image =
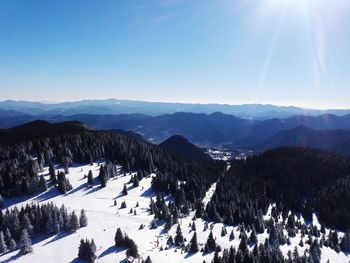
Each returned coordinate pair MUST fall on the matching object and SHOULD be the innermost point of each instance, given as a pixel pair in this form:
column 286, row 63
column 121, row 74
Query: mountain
column 180, row 146
column 10, row 113
column 302, row 136
column 201, row 129
column 40, row 128
column 114, row 106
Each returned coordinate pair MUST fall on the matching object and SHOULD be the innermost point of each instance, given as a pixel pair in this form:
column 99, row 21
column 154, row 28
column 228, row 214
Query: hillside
column 303, row 180
column 39, row 129
column 333, row 140
column 172, row 208
column 105, row 214
column 180, row 146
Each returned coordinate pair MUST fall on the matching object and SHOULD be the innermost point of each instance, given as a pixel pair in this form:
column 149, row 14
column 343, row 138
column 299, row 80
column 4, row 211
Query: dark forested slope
column 303, row 180
column 25, row 149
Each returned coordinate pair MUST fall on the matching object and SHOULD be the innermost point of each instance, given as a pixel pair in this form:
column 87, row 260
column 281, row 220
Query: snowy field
column 104, row 218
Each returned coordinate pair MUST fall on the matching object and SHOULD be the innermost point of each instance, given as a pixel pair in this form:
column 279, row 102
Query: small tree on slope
column 26, row 243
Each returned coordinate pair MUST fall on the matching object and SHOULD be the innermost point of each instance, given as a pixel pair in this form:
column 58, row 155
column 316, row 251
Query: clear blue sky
column 226, row 51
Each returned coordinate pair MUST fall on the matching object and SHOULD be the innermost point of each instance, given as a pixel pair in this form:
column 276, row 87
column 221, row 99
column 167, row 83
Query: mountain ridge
column 120, row 106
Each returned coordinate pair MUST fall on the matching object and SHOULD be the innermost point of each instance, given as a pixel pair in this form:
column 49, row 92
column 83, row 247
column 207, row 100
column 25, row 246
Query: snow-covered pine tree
column 83, row 219
column 26, row 243
column 3, row 246
column 10, row 242
column 74, row 223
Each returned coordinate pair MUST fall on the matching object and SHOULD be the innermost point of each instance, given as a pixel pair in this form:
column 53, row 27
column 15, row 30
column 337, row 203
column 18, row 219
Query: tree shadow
column 58, row 237
column 13, row 258
column 36, row 240
column 110, row 250
column 94, row 189
column 50, row 193
column 10, row 201
column 189, row 254
column 149, row 193
column 80, row 187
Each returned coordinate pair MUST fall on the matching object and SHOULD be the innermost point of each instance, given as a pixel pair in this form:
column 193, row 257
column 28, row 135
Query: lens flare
column 320, row 20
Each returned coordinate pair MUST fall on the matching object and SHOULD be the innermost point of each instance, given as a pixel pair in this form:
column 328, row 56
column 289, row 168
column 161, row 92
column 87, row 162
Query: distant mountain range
column 326, row 131
column 114, row 106
column 212, row 129
column 337, row 141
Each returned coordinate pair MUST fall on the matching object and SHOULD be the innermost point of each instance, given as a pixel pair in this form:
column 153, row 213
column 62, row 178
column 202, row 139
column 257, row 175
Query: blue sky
column 225, row 51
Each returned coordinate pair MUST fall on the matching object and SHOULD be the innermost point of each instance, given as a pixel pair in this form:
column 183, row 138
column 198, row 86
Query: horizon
column 278, row 52
column 174, row 102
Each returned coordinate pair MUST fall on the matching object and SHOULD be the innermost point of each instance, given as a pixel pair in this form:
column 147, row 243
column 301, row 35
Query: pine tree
column 3, row 246
column 295, row 255
column 136, row 181
column 301, row 243
column 13, row 245
column 193, row 227
column 132, row 250
column 223, row 232
column 87, row 250
column 82, row 250
column 243, row 246
column 42, row 183
column 83, row 219
column 253, row 239
column 211, row 244
column 90, row 179
column 119, row 238
column 103, row 177
column 179, row 239
column 52, row 173
column 74, row 223
column 27, row 224
column 26, row 243
column 148, row 260
column 170, row 241
column 194, row 244
column 232, row 236
column 125, row 190
column 345, row 243
column 216, row 258
column 10, row 242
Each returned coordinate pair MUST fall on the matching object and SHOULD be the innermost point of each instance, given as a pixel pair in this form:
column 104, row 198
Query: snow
column 209, row 194
column 104, row 218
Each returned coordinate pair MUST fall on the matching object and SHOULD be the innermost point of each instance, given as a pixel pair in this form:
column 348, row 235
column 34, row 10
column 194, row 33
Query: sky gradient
column 284, row 52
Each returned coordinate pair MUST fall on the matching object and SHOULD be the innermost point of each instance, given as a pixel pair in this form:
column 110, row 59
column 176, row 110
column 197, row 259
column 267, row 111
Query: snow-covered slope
column 104, row 218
